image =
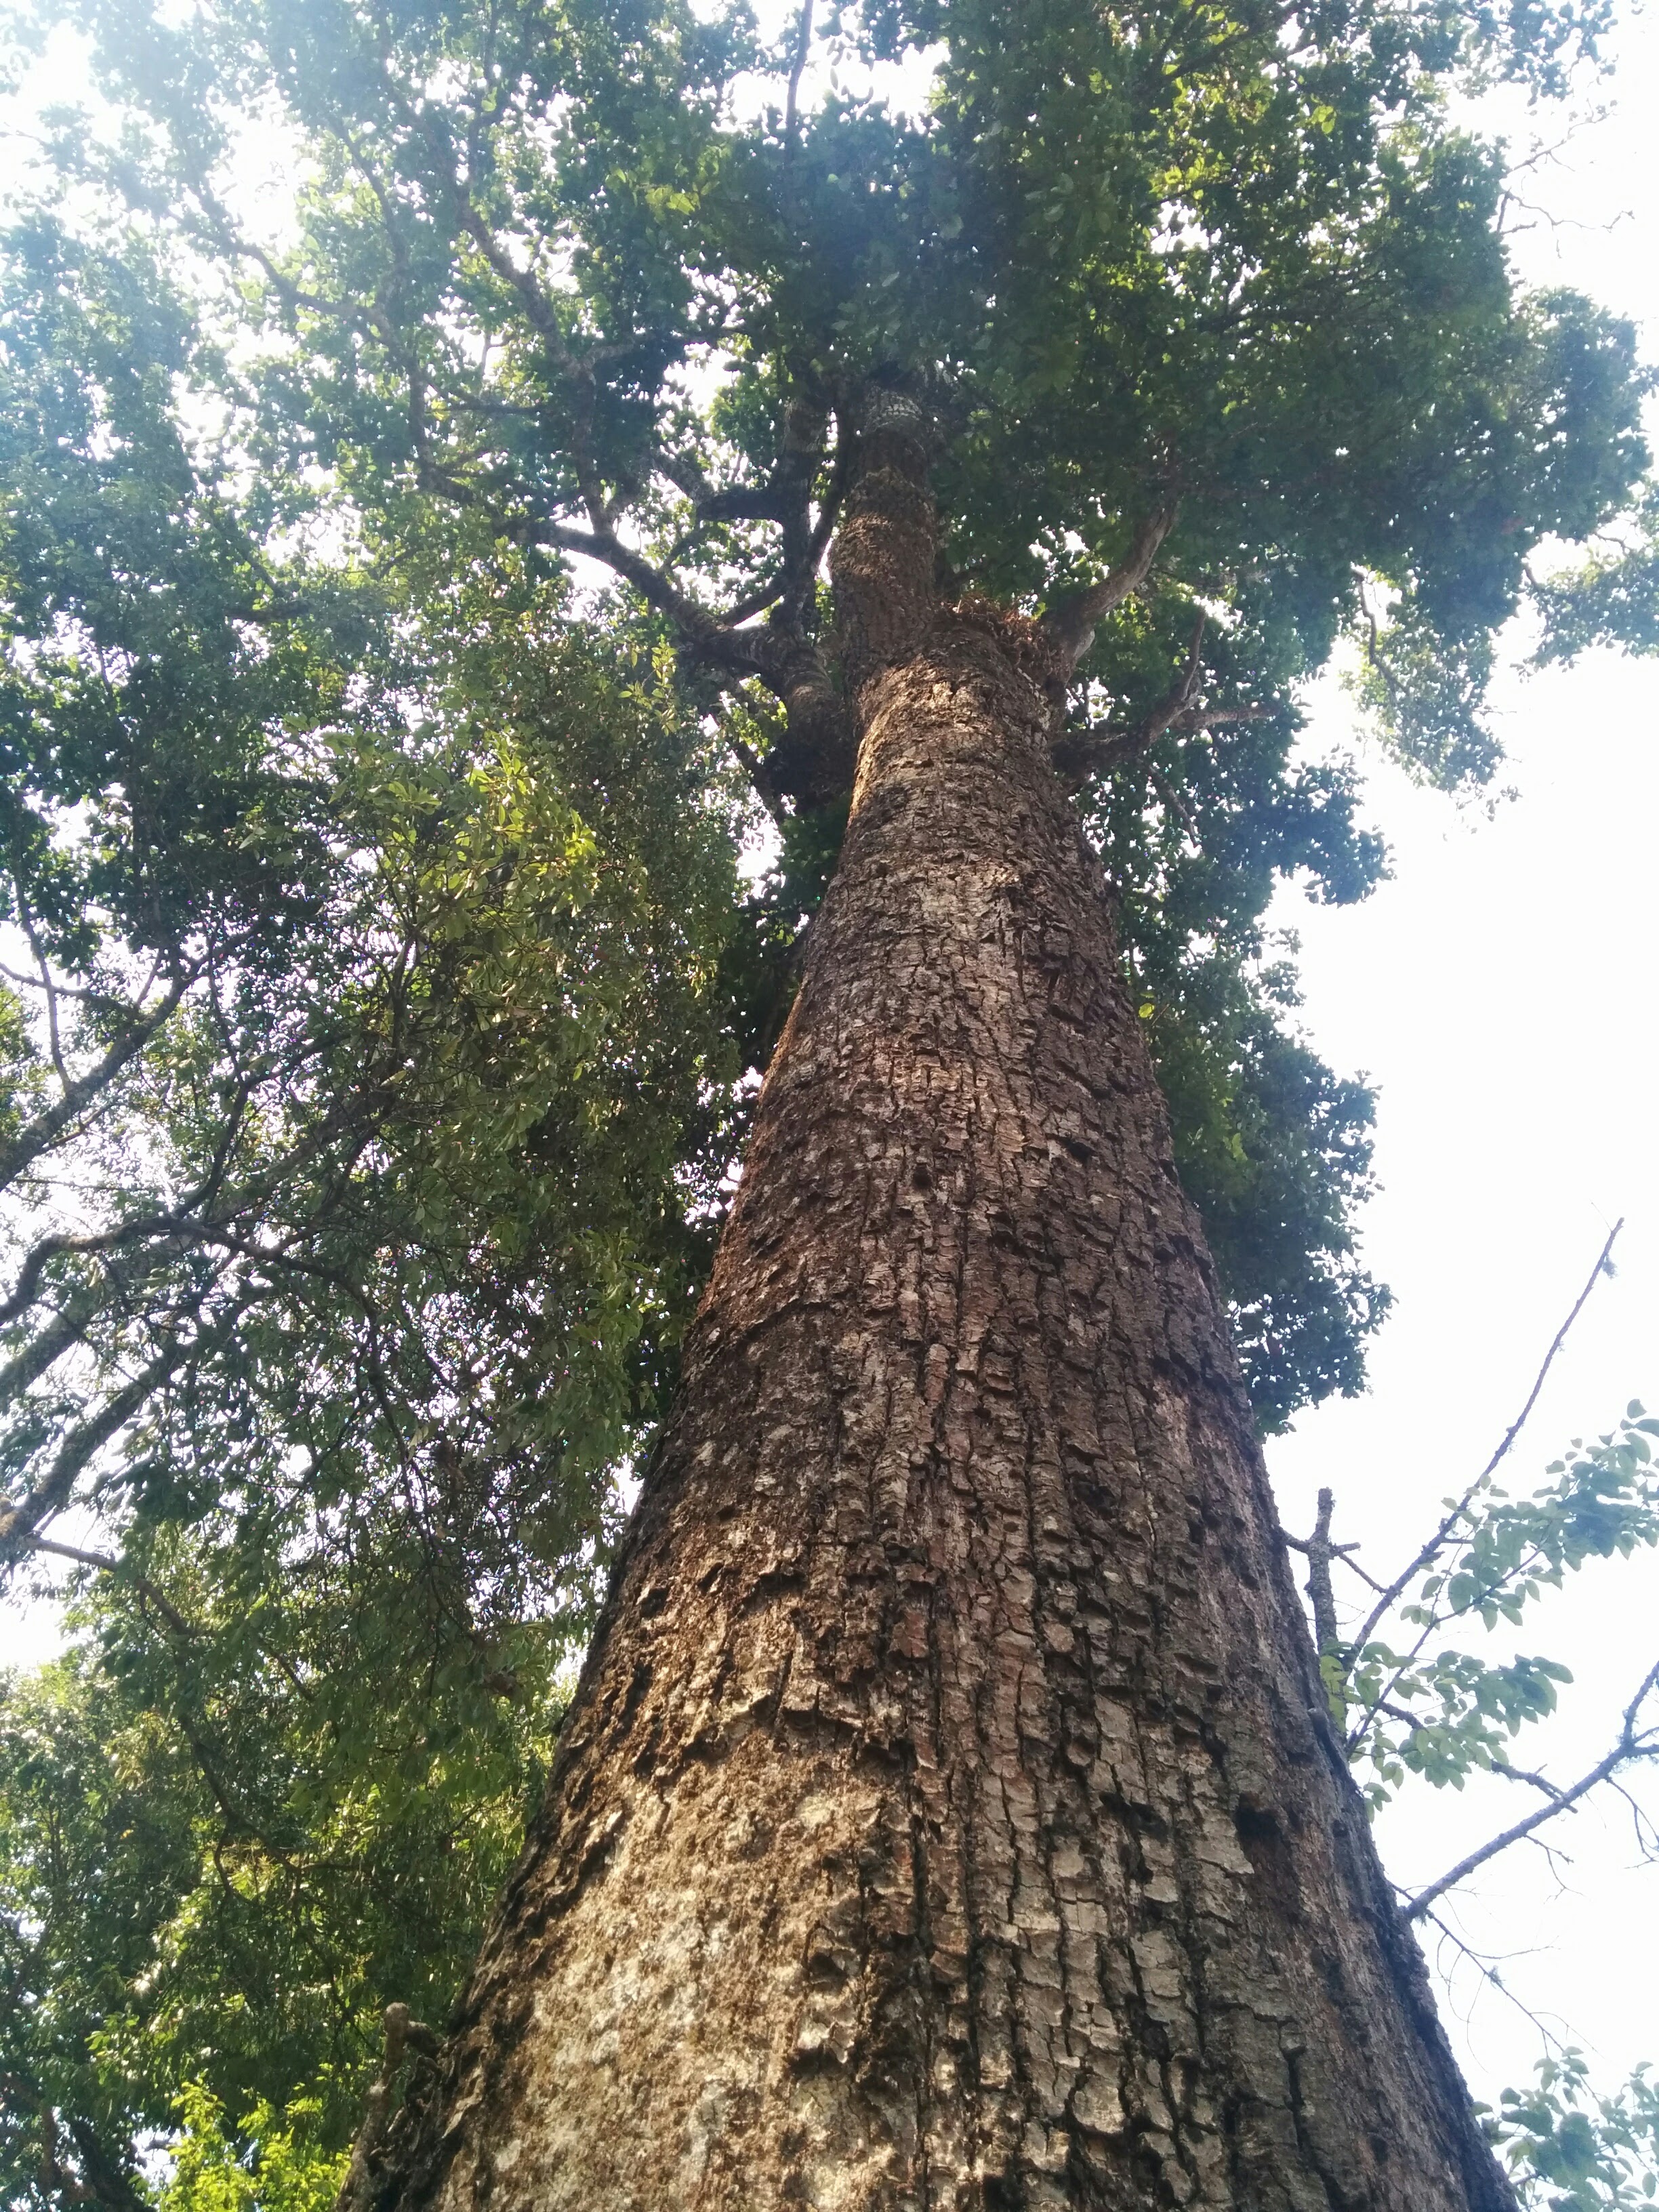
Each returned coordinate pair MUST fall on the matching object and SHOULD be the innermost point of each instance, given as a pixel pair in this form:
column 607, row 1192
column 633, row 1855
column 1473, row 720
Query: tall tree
column 951, row 1812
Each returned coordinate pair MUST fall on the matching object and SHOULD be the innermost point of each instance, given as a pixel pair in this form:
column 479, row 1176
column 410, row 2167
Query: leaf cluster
column 1421, row 1705
column 590, row 283
column 1572, row 2150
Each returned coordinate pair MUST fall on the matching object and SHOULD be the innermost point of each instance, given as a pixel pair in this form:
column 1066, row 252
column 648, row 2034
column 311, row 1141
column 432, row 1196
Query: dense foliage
column 582, row 280
column 422, row 742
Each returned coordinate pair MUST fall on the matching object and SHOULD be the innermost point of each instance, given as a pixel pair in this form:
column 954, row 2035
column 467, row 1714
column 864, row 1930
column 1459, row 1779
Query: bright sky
column 1500, row 991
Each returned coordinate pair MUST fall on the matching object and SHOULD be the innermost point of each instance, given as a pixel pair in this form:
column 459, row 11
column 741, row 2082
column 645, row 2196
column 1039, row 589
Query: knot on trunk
column 404, row 2034
column 1021, row 639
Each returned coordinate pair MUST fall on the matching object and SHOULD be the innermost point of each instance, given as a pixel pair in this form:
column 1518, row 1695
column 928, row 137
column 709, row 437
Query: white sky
column 1500, row 991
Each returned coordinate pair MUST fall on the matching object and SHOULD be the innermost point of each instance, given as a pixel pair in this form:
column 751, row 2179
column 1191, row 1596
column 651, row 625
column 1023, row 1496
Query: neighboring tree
column 951, row 1811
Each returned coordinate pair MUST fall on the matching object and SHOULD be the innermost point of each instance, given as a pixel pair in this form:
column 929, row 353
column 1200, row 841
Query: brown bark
column 950, row 1816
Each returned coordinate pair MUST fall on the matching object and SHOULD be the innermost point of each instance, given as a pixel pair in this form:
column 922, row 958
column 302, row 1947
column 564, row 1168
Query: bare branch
column 1318, row 1548
column 101, row 999
column 1489, row 1973
column 1632, row 1744
column 1433, row 1548
column 1502, row 1765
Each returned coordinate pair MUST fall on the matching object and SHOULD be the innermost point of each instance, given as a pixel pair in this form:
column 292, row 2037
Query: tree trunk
column 950, row 1815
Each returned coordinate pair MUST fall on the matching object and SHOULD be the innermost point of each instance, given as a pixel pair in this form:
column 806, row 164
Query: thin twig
column 54, row 1037
column 1432, row 1549
column 1488, row 1973
column 1630, row 1745
column 1343, row 1553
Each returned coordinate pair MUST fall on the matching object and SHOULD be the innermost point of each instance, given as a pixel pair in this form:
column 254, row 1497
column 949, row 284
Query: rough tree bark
column 950, row 1815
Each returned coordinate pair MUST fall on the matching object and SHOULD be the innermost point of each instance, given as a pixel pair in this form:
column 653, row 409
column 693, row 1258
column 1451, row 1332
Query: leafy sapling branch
column 1411, row 1703
column 1407, row 1695
column 1571, row 2151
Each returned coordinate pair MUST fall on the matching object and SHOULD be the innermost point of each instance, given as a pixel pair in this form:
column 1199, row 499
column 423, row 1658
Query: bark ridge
column 950, row 1817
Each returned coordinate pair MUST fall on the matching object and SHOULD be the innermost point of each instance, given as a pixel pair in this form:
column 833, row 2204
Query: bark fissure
column 947, row 1817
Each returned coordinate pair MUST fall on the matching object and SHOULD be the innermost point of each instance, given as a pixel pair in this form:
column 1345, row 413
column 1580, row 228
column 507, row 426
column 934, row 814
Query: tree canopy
column 422, row 429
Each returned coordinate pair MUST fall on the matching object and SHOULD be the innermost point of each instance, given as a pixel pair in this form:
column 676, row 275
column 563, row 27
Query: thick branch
column 30, row 1142
column 101, row 2179
column 1071, row 623
column 792, row 476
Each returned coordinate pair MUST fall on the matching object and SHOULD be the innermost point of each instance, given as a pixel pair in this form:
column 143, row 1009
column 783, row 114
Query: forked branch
column 1072, row 622
column 1106, row 746
column 1635, row 1742
column 1442, row 1535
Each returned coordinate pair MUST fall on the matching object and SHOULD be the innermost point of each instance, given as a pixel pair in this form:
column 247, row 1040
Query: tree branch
column 53, row 1038
column 359, row 2189
column 30, row 1142
column 19, row 1522
column 1632, row 1745
column 1488, row 1973
column 1432, row 1549
column 797, row 70
column 1319, row 1549
column 107, row 1564
column 180, row 1222
column 1071, row 623
column 713, row 640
